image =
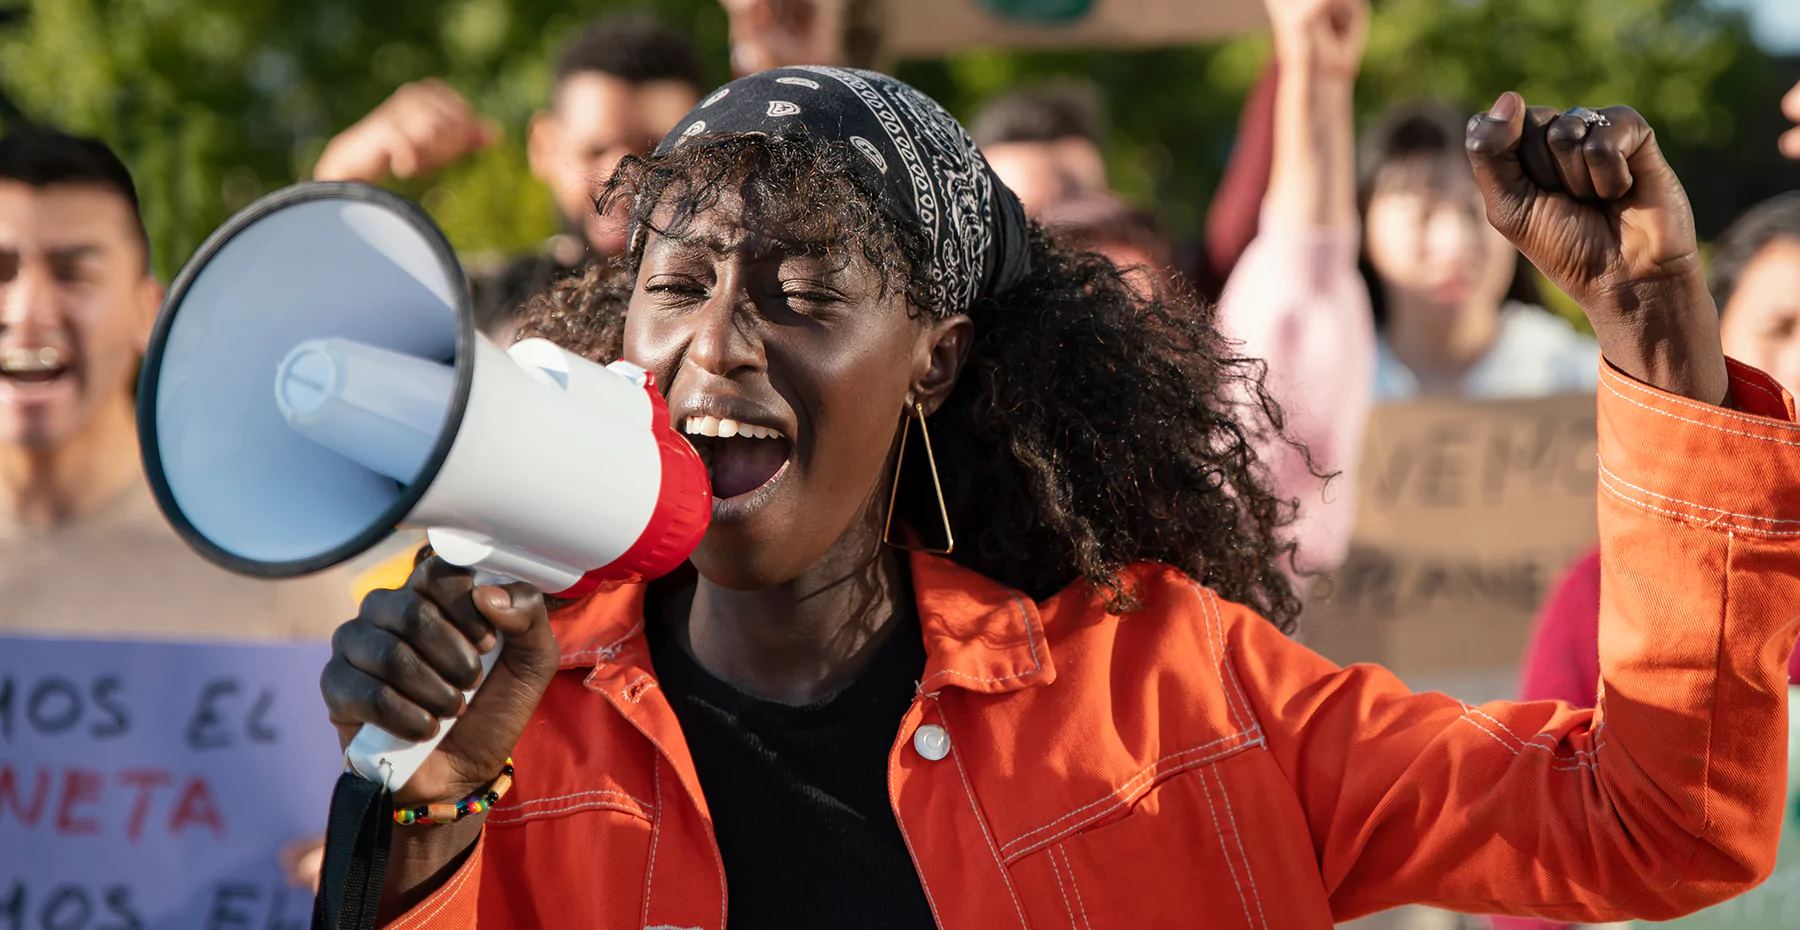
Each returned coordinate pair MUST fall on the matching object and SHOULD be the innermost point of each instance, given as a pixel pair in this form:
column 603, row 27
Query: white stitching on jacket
column 608, row 652
column 1676, row 500
column 1005, row 877
column 580, row 794
column 1716, row 411
column 1249, row 873
column 655, row 831
column 907, row 839
column 1056, row 870
column 1030, row 643
column 1599, row 744
column 1228, row 677
column 1472, row 709
column 1690, row 519
column 569, row 809
column 1129, row 790
column 1073, row 886
column 1609, row 379
column 1214, row 628
column 1219, row 831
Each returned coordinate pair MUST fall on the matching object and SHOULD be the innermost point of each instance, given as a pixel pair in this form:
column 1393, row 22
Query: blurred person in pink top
column 1295, row 298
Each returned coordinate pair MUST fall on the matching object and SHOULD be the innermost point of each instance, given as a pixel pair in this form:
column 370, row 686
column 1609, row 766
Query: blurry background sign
column 929, row 28
column 1040, row 11
column 1467, row 513
column 155, row 785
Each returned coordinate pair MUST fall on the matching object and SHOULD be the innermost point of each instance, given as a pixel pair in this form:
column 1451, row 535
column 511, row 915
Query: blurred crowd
column 1358, row 264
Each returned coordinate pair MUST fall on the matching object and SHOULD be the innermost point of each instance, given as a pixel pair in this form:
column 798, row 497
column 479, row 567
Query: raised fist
column 424, row 126
column 1324, row 36
column 1587, row 196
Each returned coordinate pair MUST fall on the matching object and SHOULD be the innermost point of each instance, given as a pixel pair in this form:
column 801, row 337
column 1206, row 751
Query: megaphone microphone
column 315, row 382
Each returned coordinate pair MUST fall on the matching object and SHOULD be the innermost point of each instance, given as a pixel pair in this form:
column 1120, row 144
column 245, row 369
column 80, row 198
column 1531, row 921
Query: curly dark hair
column 1094, row 425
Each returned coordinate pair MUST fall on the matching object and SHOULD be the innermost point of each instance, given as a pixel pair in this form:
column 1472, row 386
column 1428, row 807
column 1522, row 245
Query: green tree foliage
column 214, row 102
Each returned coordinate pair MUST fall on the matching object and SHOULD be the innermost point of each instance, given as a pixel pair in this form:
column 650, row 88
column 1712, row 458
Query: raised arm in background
column 1295, row 299
column 1232, row 216
column 424, row 126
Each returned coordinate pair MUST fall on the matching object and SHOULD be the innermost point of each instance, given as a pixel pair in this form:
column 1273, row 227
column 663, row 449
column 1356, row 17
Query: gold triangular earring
column 937, row 485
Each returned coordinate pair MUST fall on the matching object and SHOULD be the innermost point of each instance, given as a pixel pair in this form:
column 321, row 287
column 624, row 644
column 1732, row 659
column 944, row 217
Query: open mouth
column 32, row 365
column 741, row 458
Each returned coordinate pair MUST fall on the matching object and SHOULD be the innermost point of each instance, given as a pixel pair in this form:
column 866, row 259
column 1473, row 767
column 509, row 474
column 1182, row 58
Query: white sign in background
column 154, row 785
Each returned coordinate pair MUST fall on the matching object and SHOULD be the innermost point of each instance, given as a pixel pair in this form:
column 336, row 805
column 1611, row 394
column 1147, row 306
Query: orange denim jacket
column 1188, row 765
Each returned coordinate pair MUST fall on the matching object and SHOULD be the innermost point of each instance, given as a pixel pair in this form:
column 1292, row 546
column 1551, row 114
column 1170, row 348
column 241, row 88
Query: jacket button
column 931, row 741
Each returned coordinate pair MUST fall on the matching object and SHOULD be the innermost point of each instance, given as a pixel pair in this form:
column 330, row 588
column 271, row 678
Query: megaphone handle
column 377, row 755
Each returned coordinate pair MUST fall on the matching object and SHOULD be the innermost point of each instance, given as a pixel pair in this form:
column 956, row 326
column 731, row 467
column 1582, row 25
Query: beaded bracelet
column 432, row 814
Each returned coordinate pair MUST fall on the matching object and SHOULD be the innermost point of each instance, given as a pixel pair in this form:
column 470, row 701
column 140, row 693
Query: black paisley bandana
column 932, row 176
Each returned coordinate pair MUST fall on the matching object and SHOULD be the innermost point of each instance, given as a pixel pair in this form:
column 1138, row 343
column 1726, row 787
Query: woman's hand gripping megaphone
column 408, row 656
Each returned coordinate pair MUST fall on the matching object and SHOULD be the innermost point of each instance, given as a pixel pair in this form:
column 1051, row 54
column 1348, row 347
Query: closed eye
column 675, row 290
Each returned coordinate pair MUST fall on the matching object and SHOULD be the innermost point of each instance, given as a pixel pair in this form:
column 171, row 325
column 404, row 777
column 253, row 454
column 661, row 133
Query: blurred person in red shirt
column 621, row 83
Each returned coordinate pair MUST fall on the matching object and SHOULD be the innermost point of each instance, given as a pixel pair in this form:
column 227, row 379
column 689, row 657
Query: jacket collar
column 980, row 635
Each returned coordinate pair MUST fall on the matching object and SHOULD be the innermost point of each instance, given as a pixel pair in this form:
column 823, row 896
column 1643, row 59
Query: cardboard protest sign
column 1466, row 514
column 153, row 785
column 929, row 28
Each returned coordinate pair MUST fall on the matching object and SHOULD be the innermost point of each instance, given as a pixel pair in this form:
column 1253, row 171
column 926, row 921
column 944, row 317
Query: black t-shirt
column 799, row 795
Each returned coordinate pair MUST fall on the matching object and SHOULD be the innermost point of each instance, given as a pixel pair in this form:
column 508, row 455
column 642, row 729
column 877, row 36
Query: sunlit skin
column 76, row 306
column 1760, row 325
column 595, row 121
column 1044, row 174
column 814, row 346
column 1444, row 270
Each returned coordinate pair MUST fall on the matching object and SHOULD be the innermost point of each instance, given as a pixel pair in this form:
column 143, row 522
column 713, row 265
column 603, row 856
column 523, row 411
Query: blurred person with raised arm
column 620, row 83
column 1295, row 299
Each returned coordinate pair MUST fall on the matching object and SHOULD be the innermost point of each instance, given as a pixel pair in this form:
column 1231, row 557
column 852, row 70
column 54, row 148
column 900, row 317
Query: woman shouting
column 1082, row 710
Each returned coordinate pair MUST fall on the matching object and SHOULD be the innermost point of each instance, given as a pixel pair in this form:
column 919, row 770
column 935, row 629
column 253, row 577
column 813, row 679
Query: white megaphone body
column 315, row 382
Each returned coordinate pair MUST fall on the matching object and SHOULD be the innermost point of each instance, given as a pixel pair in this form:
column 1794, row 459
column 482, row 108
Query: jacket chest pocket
column 1194, row 851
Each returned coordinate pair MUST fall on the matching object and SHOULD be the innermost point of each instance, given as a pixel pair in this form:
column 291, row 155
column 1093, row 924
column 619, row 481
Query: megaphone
column 315, row 381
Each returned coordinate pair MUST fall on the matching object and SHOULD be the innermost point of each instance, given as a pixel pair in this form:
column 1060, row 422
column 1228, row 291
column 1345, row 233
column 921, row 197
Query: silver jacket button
column 931, row 741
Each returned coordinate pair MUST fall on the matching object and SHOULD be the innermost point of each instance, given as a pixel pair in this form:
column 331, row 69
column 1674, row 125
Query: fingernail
column 496, row 597
column 1505, row 108
column 487, row 643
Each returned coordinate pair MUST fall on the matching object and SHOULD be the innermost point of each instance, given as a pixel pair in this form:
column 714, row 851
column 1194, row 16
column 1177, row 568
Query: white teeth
column 47, row 358
column 726, row 428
